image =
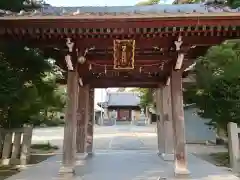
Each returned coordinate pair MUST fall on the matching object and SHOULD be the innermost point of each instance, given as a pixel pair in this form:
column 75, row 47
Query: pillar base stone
column 81, row 156
column 167, row 157
column 181, row 173
column 90, row 154
column 159, row 154
column 66, row 170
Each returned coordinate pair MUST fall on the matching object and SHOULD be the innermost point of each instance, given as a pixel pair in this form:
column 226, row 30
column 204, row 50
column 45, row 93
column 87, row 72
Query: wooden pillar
column 90, row 123
column 178, row 124
column 159, row 124
column 69, row 142
column 82, row 119
column 167, row 124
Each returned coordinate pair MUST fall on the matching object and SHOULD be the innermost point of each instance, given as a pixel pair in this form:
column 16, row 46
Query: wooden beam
column 108, row 58
column 150, row 57
column 117, row 85
column 139, row 62
column 125, row 78
column 117, row 21
column 137, row 69
column 161, row 42
column 114, row 82
column 100, row 61
column 141, row 42
column 112, row 75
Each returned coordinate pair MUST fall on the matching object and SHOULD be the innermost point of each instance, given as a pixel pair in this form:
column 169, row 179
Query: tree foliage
column 230, row 3
column 121, row 90
column 18, row 5
column 217, row 90
column 148, row 2
column 28, row 79
column 145, row 95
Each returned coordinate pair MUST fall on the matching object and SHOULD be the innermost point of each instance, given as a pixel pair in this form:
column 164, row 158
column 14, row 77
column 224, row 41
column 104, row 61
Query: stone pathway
column 124, row 153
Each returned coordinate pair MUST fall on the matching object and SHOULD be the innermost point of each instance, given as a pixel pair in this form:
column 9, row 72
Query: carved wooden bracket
column 69, row 44
column 179, row 62
column 178, row 43
column 69, row 62
column 68, row 57
column 180, row 56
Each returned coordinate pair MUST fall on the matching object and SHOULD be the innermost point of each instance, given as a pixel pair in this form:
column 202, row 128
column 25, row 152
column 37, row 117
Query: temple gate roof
column 126, row 11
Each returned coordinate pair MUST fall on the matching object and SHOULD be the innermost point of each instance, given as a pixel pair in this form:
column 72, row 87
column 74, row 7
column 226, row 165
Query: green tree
column 231, row 3
column 148, row 2
column 234, row 3
column 28, row 85
column 121, row 89
column 28, row 79
column 18, row 5
column 145, row 94
column 217, row 90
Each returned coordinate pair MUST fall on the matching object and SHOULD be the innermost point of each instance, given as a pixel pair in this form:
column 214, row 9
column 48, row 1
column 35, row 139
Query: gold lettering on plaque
column 124, row 54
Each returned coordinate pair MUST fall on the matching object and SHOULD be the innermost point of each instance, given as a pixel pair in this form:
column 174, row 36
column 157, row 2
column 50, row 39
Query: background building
column 125, row 106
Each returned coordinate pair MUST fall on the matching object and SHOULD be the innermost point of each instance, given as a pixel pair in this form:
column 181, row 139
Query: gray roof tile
column 159, row 8
column 123, row 99
column 152, row 9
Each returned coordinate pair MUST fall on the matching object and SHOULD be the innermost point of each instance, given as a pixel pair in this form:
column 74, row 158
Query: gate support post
column 160, row 135
column 168, row 149
column 82, row 120
column 69, row 142
column 233, row 146
column 178, row 124
column 91, row 123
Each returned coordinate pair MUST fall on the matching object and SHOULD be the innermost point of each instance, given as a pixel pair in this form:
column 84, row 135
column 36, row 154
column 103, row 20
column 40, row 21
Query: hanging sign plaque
column 124, row 54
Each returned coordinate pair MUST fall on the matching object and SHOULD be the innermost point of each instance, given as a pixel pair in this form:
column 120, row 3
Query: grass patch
column 41, row 152
column 44, row 147
column 9, row 167
column 221, row 158
column 7, row 171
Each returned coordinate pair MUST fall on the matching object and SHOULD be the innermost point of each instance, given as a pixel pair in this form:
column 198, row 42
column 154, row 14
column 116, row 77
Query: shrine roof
column 125, row 11
column 123, row 99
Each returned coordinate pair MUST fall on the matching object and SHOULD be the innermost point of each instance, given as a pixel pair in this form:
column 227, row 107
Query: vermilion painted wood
column 124, row 22
column 146, row 59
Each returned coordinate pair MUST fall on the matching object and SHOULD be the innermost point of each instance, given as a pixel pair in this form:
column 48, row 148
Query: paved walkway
column 123, row 153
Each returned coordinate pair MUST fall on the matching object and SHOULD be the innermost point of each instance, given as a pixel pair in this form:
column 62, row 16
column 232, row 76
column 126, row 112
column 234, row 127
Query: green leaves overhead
column 27, row 79
column 24, row 89
column 148, row 2
column 18, row 5
column 145, row 94
column 217, row 89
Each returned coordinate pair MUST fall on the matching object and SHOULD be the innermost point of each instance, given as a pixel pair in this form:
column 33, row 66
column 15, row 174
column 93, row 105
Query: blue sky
column 93, row 2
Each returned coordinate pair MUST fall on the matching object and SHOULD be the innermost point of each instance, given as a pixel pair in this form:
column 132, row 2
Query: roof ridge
column 206, row 7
